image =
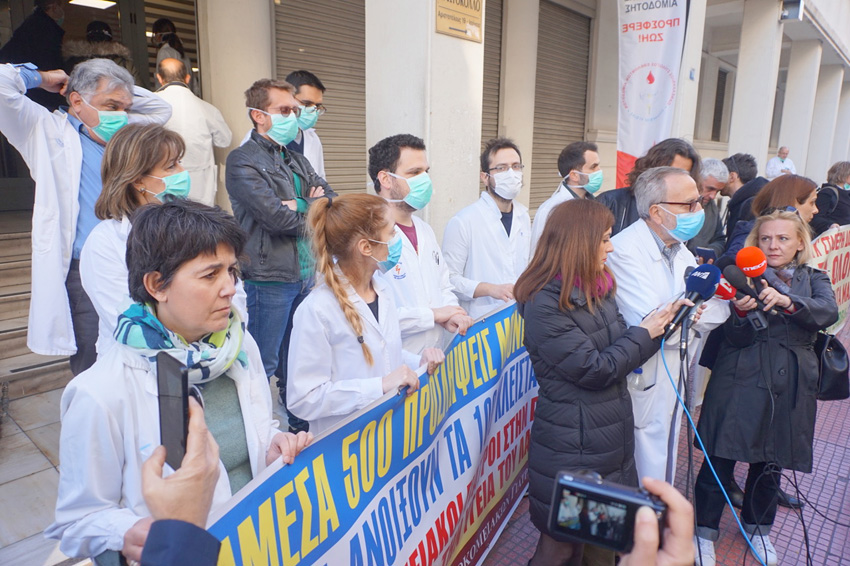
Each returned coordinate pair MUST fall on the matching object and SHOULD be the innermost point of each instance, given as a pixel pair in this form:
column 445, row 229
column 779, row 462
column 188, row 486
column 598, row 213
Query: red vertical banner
column 652, row 35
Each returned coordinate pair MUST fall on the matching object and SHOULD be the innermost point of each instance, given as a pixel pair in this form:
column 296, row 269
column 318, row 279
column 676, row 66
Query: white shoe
column 764, row 549
column 705, row 550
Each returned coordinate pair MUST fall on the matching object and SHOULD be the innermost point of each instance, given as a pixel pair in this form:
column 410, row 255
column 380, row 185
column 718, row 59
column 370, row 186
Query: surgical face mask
column 846, row 187
column 420, row 190
column 284, row 128
column 176, row 185
column 688, row 224
column 507, row 184
column 308, row 118
column 393, row 253
column 109, row 121
column 594, row 181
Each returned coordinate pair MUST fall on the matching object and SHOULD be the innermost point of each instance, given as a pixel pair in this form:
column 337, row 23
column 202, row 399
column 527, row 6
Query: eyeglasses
column 692, row 205
column 308, row 104
column 518, row 167
column 286, row 110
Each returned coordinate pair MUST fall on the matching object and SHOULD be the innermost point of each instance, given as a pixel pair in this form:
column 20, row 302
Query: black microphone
column 735, row 276
column 699, row 286
column 722, row 262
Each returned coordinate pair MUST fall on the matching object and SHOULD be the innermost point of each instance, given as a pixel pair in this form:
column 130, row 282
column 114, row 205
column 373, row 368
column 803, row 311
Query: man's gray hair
column 715, row 168
column 651, row 187
column 87, row 76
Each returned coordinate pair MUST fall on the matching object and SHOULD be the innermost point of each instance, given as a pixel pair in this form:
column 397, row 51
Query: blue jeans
column 270, row 311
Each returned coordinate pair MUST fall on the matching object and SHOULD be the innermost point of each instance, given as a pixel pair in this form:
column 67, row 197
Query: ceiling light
column 98, row 4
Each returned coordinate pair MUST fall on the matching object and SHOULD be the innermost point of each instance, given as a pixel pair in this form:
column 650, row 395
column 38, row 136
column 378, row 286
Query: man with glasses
column 309, row 92
column 271, row 188
column 715, row 175
column 649, row 262
column 742, row 186
column 487, row 244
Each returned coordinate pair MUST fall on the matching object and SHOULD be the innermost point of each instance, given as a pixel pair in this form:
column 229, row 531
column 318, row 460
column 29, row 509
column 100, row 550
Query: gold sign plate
column 460, row 18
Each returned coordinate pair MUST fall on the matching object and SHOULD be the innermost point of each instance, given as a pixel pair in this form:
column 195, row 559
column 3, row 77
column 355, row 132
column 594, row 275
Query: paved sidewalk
column 826, row 488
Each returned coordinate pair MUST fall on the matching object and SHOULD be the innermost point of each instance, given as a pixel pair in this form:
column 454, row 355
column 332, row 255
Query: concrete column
column 685, row 109
column 803, row 69
column 758, row 66
column 823, row 123
column 841, row 139
column 430, row 85
column 708, row 93
column 519, row 75
column 603, row 88
column 228, row 72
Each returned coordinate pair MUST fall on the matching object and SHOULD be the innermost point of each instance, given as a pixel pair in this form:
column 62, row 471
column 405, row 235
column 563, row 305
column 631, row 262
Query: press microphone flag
column 699, row 286
column 725, row 290
column 752, row 261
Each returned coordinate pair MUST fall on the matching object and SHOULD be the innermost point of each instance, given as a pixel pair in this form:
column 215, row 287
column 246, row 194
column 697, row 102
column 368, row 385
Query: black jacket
column 760, row 404
column 833, row 208
column 258, row 178
column 583, row 418
column 621, row 202
column 740, row 204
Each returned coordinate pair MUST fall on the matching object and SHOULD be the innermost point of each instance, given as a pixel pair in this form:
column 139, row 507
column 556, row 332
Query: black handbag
column 833, row 365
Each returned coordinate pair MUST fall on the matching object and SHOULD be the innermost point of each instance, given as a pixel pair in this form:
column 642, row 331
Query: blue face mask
column 393, row 253
column 176, row 185
column 420, row 190
column 284, row 128
column 308, row 118
column 846, row 187
column 688, row 224
column 109, row 121
column 594, row 181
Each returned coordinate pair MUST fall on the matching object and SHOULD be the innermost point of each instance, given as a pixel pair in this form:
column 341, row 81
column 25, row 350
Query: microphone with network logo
column 699, row 287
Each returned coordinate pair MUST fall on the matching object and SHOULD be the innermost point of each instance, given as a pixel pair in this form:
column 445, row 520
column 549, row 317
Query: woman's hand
column 656, row 321
column 433, row 357
column 459, row 323
column 287, row 445
column 745, row 303
column 134, row 539
column 771, row 297
column 402, row 376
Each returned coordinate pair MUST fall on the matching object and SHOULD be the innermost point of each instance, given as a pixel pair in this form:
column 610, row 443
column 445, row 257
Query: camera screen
column 586, row 516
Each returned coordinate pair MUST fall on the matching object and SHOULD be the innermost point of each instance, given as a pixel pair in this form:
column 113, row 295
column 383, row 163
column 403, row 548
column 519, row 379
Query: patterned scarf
column 208, row 358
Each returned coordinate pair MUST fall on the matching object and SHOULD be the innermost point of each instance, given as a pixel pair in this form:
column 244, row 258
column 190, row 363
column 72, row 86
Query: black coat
column 739, row 207
column 583, row 418
column 621, row 203
column 833, row 208
column 760, row 404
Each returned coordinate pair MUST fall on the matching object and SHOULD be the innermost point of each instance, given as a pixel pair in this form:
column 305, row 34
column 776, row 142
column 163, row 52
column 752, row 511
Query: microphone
column 725, row 290
column 699, row 286
column 723, row 261
column 735, row 276
column 752, row 261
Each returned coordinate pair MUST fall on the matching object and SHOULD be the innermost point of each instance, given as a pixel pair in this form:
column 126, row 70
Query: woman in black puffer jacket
column 582, row 353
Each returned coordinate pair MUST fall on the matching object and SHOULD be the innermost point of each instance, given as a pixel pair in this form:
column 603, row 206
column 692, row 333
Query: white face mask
column 508, row 184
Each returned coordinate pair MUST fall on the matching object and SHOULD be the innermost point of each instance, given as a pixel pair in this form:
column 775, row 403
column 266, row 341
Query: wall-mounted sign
column 460, row 18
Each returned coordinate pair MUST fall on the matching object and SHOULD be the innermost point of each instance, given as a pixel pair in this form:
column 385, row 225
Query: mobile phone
column 585, row 508
column 707, row 254
column 173, row 390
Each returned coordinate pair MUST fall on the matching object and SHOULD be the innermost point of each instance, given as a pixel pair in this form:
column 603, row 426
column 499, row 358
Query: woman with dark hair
column 833, row 199
column 182, row 262
column 169, row 46
column 760, row 404
column 785, row 191
column 99, row 43
column 672, row 152
column 582, row 353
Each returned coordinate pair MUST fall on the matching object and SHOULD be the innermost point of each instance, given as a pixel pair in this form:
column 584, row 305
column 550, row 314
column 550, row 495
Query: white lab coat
column 644, row 283
column 51, row 147
column 420, row 282
column 477, row 249
column 313, row 150
column 563, row 194
column 774, row 167
column 328, row 376
column 201, row 126
column 110, row 426
column 104, row 273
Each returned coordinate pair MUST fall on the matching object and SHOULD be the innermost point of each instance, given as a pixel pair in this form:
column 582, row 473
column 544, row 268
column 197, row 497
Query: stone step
column 13, row 337
column 30, row 373
column 14, row 301
column 15, row 244
column 15, row 270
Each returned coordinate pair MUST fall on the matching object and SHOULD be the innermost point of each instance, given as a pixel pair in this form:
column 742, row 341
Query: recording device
column 707, row 254
column 699, row 286
column 172, row 380
column 735, row 276
column 585, row 508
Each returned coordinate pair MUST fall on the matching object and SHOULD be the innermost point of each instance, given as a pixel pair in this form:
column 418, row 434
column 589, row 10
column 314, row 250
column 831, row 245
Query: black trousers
column 85, row 321
column 760, row 497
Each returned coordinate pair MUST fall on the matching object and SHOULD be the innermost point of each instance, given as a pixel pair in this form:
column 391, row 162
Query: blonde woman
column 346, row 343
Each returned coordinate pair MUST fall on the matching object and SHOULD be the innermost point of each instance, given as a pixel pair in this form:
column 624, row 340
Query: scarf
column 208, row 358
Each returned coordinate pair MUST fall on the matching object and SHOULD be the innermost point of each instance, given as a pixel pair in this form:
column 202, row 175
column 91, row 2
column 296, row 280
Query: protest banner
column 425, row 479
column 652, row 36
column 832, row 254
